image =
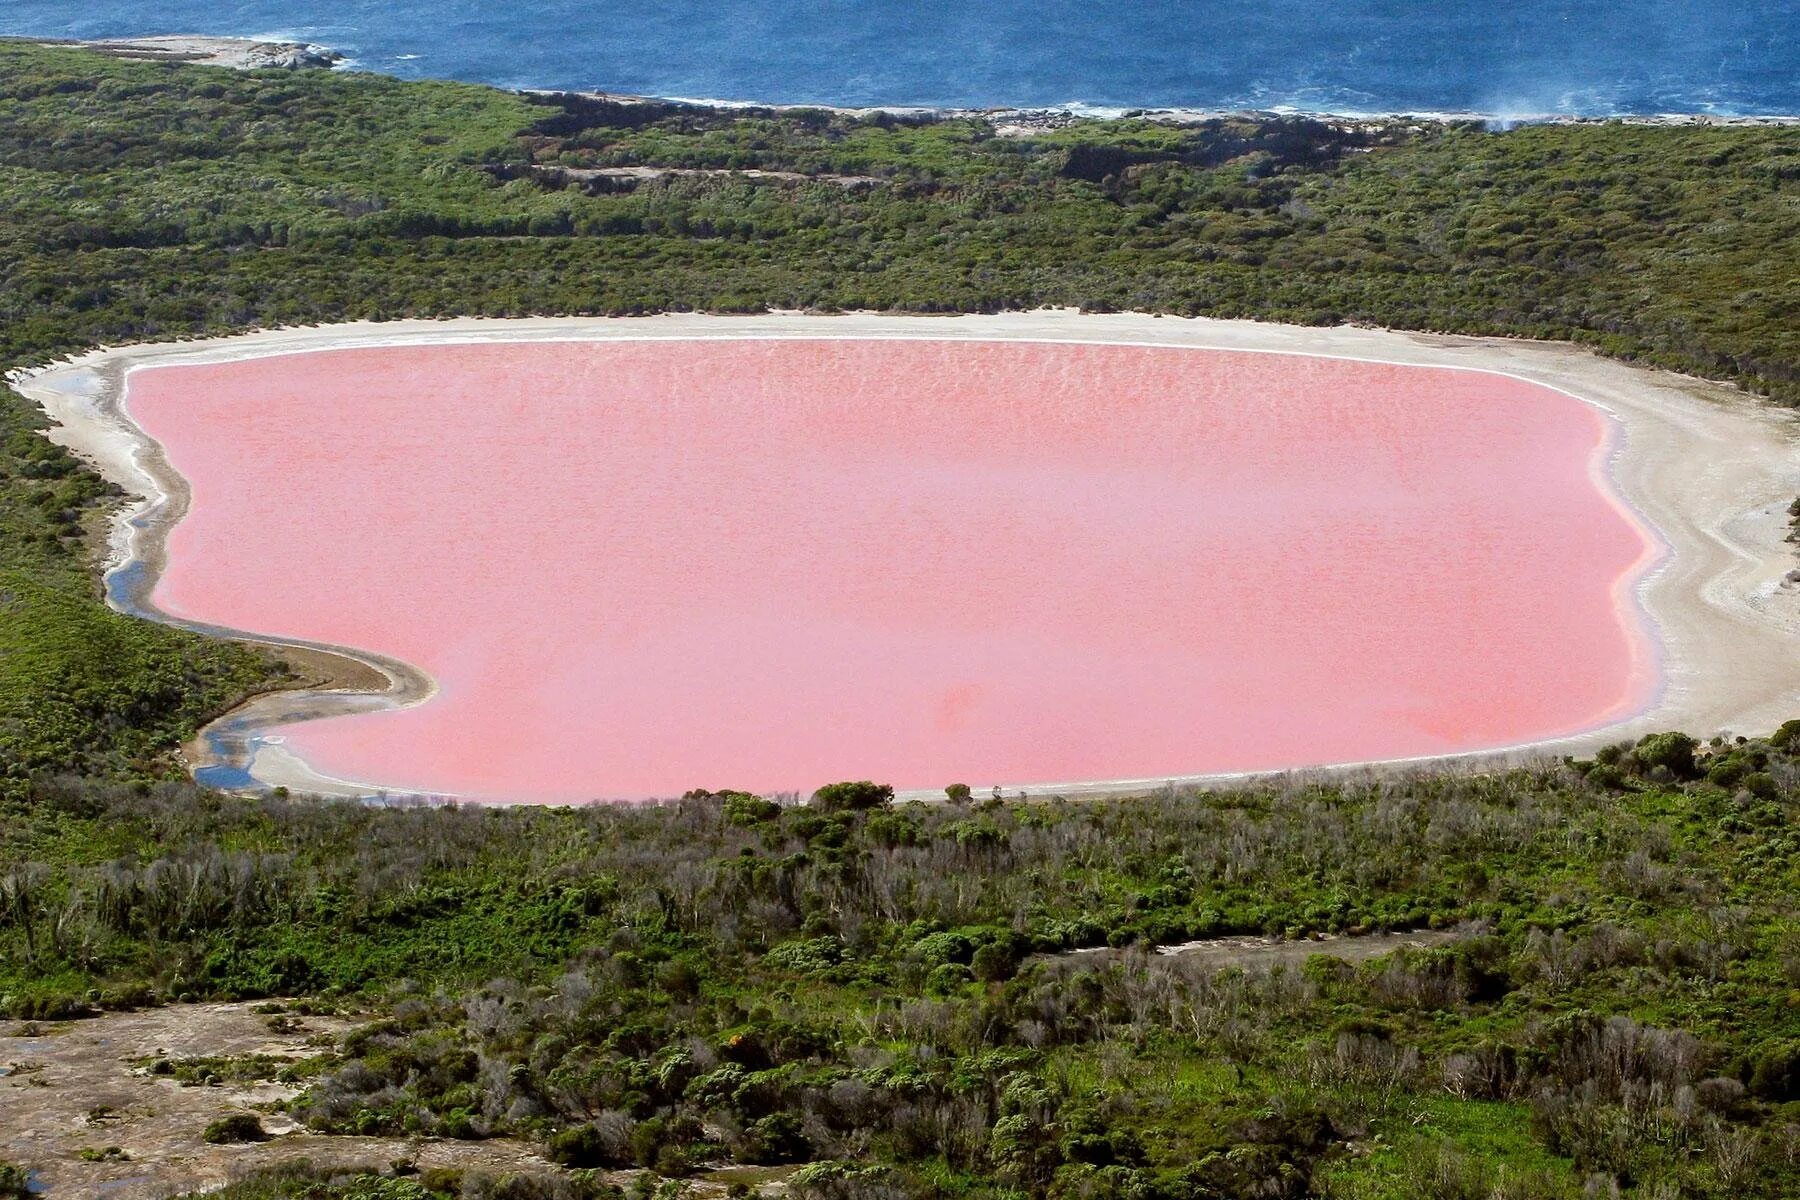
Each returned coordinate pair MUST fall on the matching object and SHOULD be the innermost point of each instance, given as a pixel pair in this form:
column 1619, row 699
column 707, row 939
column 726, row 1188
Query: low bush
column 237, row 1127
column 853, row 796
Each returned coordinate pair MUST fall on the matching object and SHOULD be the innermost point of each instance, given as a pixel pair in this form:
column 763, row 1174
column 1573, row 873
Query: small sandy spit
column 1707, row 471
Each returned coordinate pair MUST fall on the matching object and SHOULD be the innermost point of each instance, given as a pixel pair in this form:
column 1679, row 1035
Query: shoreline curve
column 1712, row 619
column 88, row 407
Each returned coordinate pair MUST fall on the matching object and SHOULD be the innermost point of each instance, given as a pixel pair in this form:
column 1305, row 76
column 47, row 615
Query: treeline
column 965, row 998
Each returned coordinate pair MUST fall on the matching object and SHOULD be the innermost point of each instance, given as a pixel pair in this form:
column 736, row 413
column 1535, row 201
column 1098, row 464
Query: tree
column 1672, row 750
column 854, row 796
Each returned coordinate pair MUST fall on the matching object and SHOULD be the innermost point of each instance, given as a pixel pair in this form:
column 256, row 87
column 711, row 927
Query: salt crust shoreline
column 1707, row 470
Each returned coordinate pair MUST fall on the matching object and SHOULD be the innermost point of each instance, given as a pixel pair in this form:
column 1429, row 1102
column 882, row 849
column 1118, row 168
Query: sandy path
column 1708, row 469
column 639, row 174
column 1261, row 953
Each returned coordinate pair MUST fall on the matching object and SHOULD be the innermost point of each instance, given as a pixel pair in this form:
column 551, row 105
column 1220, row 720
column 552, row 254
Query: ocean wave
column 1636, row 57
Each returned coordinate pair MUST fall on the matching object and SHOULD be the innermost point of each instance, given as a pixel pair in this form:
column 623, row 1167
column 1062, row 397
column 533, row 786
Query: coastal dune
column 1699, row 620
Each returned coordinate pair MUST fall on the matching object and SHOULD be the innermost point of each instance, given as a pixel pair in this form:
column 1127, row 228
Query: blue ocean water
column 1525, row 57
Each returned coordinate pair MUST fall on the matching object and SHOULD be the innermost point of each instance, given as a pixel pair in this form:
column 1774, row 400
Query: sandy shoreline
column 1708, row 470
column 85, row 402
column 1022, row 120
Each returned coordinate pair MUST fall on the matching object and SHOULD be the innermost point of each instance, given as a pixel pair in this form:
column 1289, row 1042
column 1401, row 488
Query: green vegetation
column 238, row 1127
column 103, row 1154
column 890, row 995
column 212, row 1070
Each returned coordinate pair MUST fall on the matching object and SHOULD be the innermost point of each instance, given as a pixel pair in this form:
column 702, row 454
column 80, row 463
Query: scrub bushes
column 238, row 1127
column 674, row 989
column 852, row 797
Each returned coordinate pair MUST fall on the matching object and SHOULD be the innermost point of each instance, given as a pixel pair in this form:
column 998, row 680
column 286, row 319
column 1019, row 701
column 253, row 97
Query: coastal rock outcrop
column 238, row 53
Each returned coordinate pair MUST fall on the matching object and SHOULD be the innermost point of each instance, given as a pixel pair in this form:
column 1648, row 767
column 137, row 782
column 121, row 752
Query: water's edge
column 231, row 753
column 90, row 401
column 254, row 53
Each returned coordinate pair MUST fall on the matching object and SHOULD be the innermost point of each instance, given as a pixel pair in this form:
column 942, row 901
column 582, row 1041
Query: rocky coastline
column 242, row 54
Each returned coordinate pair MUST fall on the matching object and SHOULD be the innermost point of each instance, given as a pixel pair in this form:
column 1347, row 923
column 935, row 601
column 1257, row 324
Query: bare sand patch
column 73, row 1086
column 1710, row 470
column 1267, row 952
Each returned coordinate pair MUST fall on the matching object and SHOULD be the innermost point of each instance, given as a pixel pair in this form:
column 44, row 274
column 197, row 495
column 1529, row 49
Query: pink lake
column 638, row 567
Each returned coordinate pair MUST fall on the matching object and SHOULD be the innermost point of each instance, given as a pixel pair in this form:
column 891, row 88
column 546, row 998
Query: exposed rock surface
column 239, row 53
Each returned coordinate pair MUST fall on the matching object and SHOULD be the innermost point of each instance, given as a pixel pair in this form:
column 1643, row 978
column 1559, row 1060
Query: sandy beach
column 1708, row 470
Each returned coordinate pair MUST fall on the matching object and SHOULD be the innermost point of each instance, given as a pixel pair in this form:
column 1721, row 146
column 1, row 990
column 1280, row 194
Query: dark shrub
column 958, row 792
column 238, row 1127
column 586, row 1146
column 947, row 980
column 994, row 963
column 668, row 1145
column 742, row 808
column 47, row 1006
column 1674, row 751
column 890, row 829
column 1727, row 774
column 1776, row 1074
column 1606, row 775
column 1762, row 785
column 1787, row 737
column 679, row 979
column 853, row 796
column 777, row 1138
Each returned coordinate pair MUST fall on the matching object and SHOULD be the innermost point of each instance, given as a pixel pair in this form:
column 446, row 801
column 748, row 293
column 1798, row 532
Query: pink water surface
column 637, row 567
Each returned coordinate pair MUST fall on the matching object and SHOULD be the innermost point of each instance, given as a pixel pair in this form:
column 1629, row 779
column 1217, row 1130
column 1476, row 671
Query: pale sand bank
column 1709, row 470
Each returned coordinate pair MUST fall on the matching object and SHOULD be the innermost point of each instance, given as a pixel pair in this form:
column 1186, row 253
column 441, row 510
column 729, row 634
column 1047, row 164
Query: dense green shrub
column 776, row 1138
column 583, row 1146
column 1674, row 752
column 853, row 796
column 1775, row 1075
column 238, row 1127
